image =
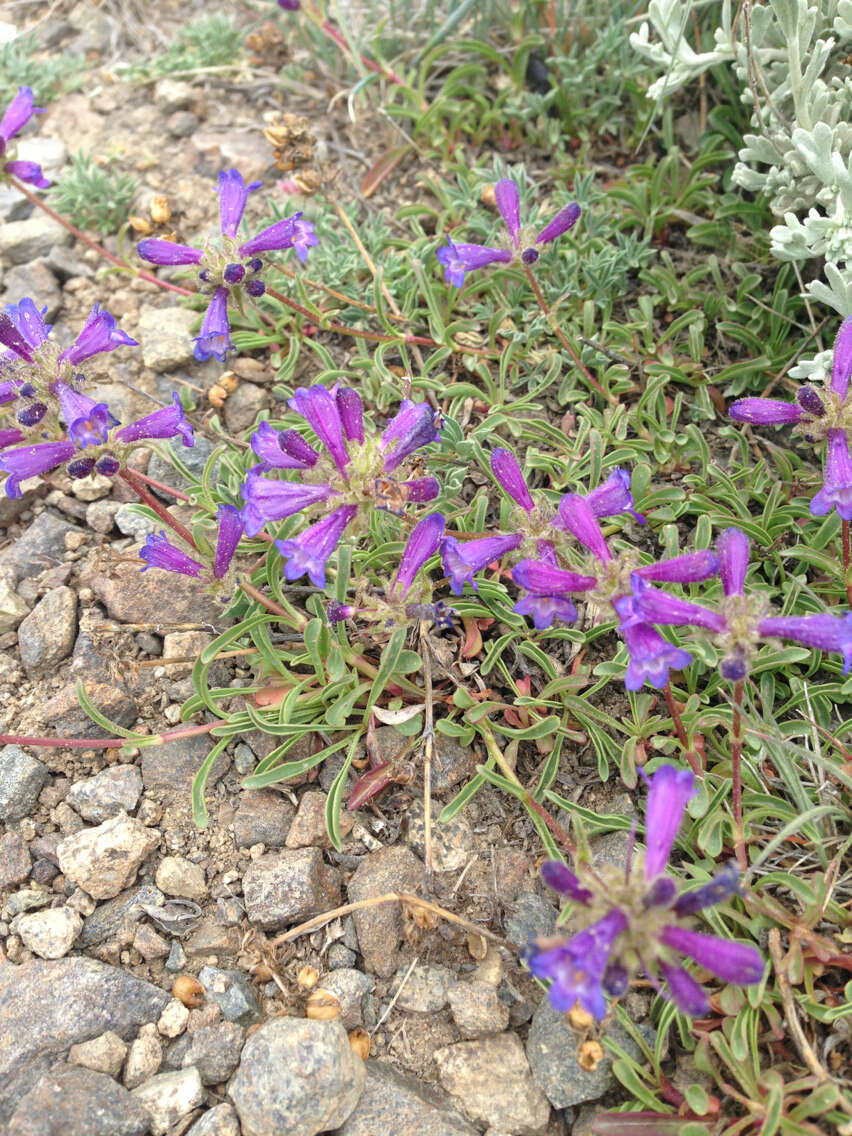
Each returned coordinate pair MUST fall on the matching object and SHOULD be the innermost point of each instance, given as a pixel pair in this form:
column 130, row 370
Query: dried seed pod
column 487, row 196
column 322, row 1006
column 229, row 381
column 216, row 396
column 476, row 945
column 188, row 990
column 360, row 1041
column 307, row 978
column 160, row 211
column 140, row 225
column 308, row 181
column 579, row 1018
column 589, row 1055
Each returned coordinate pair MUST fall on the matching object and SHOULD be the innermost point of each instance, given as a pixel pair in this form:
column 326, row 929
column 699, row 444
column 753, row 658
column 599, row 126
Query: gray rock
column 174, row 765
column 65, row 263
column 286, row 887
column 218, row 1121
column 530, row 917
column 132, row 523
column 424, row 990
column 34, row 280
column 13, row 608
column 182, row 123
column 476, row 1009
column 297, row 1077
column 165, row 337
column 41, row 546
column 339, row 956
column 309, row 828
column 50, row 934
column 171, row 95
column 551, row 1052
column 100, row 516
column 46, row 636
column 21, row 781
column 49, row 1006
column 394, row 1105
column 178, row 876
column 22, row 242
column 492, row 1081
column 215, row 1051
column 67, row 718
column 109, row 918
column 104, row 1054
column 452, row 841
column 195, row 459
column 15, row 862
column 72, row 1101
column 104, row 860
column 379, row 928
column 168, row 1097
column 27, row 899
column 115, row 789
column 243, row 407
column 350, row 987
column 263, row 817
column 232, row 992
column 177, row 958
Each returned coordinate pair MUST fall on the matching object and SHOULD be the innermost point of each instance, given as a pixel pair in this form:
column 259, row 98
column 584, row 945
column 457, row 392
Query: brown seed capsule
column 229, row 381
column 589, row 1055
column 579, row 1018
column 476, row 945
column 307, row 978
column 188, row 990
column 216, row 396
column 487, row 196
column 360, row 1041
column 160, row 211
column 322, row 1006
column 140, row 225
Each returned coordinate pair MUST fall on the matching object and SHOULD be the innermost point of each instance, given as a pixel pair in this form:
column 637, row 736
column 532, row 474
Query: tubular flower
column 32, row 461
column 422, row 543
column 231, row 529
column 18, row 113
column 461, row 561
column 637, row 921
column 215, row 337
column 274, row 500
column 836, row 492
column 165, row 423
column 460, row 259
column 158, row 552
column 24, row 332
column 310, row 550
column 98, row 336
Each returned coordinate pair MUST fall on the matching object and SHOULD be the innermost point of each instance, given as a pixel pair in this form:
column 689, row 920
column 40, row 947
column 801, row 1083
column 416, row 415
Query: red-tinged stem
column 370, row 64
column 105, row 743
column 551, row 18
column 99, row 249
column 374, row 336
column 297, row 622
column 161, row 486
column 847, row 559
column 151, row 501
column 736, row 777
column 674, row 713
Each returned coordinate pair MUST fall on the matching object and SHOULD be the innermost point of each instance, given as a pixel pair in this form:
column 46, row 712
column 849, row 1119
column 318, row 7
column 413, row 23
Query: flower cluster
column 459, row 259
column 637, row 921
column 18, row 113
column 231, row 270
column 159, row 552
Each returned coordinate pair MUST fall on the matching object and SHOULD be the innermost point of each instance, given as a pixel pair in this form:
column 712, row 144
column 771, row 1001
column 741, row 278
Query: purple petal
column 29, row 322
column 231, row 529
column 576, row 515
column 825, row 632
column 810, row 401
column 766, row 411
column 422, row 489
column 462, row 561
column 283, row 449
column 351, row 413
column 29, row 172
column 650, row 605
column 732, row 546
column 98, row 336
column 686, row 569
column 661, row 892
column 459, row 259
column 165, row 423
column 233, row 195
column 30, row 461
column 309, row 552
column 614, row 497
column 278, row 236
column 555, row 875
column 304, row 238
column 564, row 220
column 410, row 429
column 509, row 203
column 504, row 466
column 651, row 657
column 577, row 967
column 10, row 437
column 422, row 543
column 156, row 251
column 689, row 997
column 542, row 578
column 158, row 552
column 18, row 113
column 668, row 793
column 215, row 335
column 732, row 962
column 319, row 408
column 836, row 492
column 841, row 367
column 87, row 422
column 10, row 337
column 274, row 500
column 723, row 885
column 544, row 609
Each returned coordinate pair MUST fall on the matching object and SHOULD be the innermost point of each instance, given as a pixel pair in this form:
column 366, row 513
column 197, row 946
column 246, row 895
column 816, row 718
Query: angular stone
column 46, row 636
column 109, row 918
column 309, row 828
column 22, row 242
column 178, row 876
column 104, row 860
column 174, row 765
column 423, row 989
column 67, row 718
column 170, row 1096
column 165, row 337
column 21, row 780
column 50, row 934
column 530, row 917
column 395, row 1105
column 476, row 1009
column 243, row 407
column 263, row 817
column 173, row 1019
column 297, row 1077
column 350, row 987
column 149, row 944
column 172, row 95
column 493, row 1083
column 144, row 1057
column 218, row 1121
column 115, row 789
column 159, row 598
column 49, row 1006
column 215, row 1051
column 286, row 887
column 452, row 841
column 12, row 608
column 34, row 279
column 379, row 928
column 232, row 992
column 104, row 1054
column 41, row 546
column 73, row 1101
column 15, row 862
column 131, row 523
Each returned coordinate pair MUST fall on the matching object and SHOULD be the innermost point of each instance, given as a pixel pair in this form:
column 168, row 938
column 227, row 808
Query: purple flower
column 86, row 421
column 733, row 560
column 30, row 172
column 689, row 996
column 766, row 411
column 508, row 202
column 351, row 412
column 290, row 5
column 98, row 336
column 564, row 220
column 23, row 329
column 10, row 437
column 555, row 875
column 231, row 529
column 18, row 114
column 319, row 408
column 461, row 561
column 410, row 429
column 274, row 500
column 825, row 632
column 281, row 235
column 548, row 580
column 576, row 968
column 544, row 609
column 283, row 449
column 215, row 337
column 233, row 195
column 165, row 423
column 30, row 461
column 686, row 569
column 422, row 489
column 338, row 612
column 422, row 543
column 614, row 497
column 577, row 516
column 157, row 552
column 459, row 259
column 504, row 466
column 651, row 657
column 810, row 402
column 723, row 885
column 732, row 962
column 167, row 252
column 841, row 368
column 304, row 238
column 836, row 492
column 647, row 604
column 669, row 791
column 507, row 198
column 310, row 550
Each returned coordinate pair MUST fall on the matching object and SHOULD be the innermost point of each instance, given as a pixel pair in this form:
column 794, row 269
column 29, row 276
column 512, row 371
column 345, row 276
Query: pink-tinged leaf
column 382, row 169
column 472, row 639
column 375, row 780
column 272, row 695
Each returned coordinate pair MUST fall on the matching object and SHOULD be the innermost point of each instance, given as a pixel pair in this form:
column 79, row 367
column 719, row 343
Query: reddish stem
column 161, row 486
column 847, row 559
column 674, row 713
column 736, row 777
column 151, row 501
column 370, row 64
column 99, row 249
column 104, row 743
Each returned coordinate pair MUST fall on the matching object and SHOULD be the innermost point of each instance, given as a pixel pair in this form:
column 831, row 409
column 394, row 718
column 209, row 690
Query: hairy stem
column 105, row 743
column 736, row 776
column 674, row 713
column 141, row 489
